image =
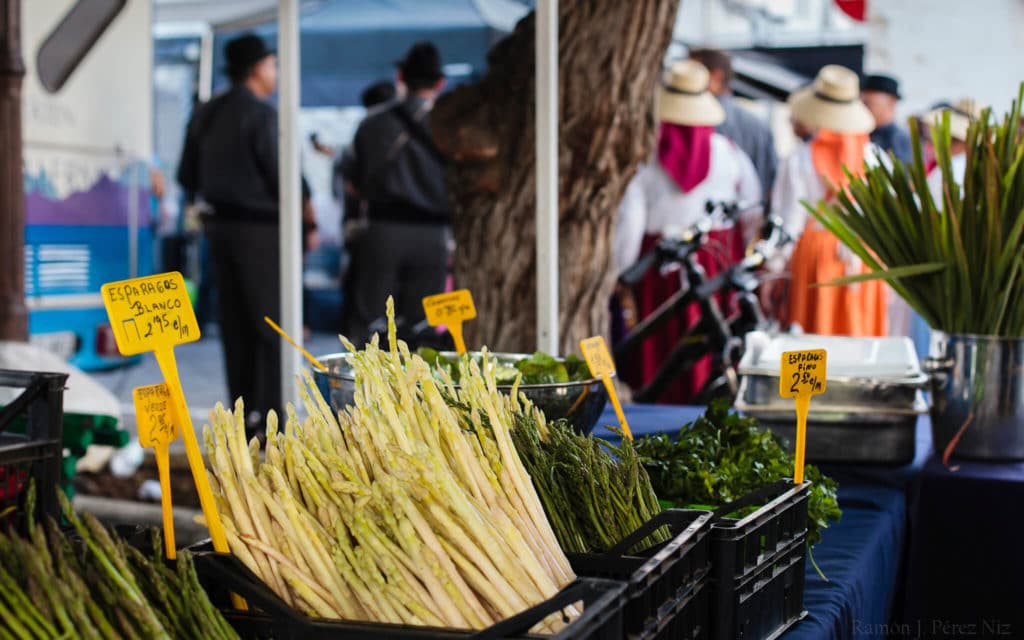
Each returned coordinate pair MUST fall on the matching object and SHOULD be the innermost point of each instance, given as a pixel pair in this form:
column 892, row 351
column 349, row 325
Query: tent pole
column 547, row 175
column 290, row 192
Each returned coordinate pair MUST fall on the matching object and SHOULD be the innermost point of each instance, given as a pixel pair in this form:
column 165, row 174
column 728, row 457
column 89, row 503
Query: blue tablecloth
column 861, row 555
column 965, row 561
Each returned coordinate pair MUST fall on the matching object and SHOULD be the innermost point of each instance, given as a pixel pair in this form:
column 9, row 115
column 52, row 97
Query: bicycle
column 713, row 334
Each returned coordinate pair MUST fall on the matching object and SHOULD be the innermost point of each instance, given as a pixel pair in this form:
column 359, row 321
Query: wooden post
column 13, row 313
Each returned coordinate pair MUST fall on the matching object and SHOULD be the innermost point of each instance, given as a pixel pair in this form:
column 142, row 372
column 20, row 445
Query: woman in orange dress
column 813, row 174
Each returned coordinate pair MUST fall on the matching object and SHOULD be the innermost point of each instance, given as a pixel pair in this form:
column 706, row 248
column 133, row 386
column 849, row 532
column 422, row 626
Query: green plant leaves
column 956, row 259
column 885, row 274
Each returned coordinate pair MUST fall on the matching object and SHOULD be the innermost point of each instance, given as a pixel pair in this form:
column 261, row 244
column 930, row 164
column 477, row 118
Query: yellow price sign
column 153, row 413
column 802, row 375
column 154, row 313
column 151, row 313
column 602, row 365
column 451, row 310
column 154, row 417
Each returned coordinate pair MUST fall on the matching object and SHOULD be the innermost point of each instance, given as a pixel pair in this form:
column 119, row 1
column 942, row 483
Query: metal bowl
column 581, row 403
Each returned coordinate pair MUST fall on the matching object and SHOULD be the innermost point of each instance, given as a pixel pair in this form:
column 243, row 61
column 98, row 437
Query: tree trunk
column 610, row 55
column 13, row 314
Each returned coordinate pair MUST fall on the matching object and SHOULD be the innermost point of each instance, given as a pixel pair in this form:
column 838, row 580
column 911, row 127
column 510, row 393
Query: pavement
column 201, row 369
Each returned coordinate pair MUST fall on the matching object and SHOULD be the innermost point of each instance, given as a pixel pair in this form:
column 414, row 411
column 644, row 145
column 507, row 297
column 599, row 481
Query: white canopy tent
column 241, row 12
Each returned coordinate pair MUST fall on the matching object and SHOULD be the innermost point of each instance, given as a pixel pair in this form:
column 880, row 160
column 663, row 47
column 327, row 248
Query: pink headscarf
column 684, row 152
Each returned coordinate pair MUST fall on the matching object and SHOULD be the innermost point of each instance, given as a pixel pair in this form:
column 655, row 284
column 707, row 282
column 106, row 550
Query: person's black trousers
column 247, row 272
column 404, row 260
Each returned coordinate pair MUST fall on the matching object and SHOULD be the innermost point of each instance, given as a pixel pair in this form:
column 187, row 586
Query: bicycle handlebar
column 668, row 250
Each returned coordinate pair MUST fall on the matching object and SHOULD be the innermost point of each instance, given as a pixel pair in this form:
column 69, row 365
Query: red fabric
column 856, row 9
column 723, row 246
column 685, row 153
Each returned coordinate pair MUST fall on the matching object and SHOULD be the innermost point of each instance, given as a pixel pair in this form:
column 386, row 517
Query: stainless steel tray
column 888, row 379
column 843, row 396
column 890, row 443
column 846, row 434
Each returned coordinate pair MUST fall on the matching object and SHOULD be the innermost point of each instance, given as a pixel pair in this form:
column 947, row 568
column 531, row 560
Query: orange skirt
column 854, row 310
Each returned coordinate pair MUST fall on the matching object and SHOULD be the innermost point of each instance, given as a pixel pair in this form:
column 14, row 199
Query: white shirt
column 654, row 203
column 958, row 164
column 798, row 181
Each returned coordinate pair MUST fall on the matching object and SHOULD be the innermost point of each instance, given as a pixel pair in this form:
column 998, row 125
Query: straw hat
column 833, row 102
column 684, row 98
column 963, row 112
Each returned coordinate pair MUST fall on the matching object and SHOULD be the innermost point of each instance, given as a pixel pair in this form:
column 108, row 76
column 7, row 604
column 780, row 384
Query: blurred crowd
column 712, row 148
column 391, row 179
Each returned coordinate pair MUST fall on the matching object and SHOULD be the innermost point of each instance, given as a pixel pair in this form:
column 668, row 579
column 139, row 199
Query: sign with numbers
column 602, row 365
column 595, row 352
column 445, row 308
column 802, row 373
column 151, row 313
column 154, row 415
column 451, row 310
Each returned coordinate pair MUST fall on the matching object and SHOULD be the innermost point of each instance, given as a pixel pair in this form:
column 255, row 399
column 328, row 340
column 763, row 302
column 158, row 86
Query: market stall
column 416, row 494
column 862, row 555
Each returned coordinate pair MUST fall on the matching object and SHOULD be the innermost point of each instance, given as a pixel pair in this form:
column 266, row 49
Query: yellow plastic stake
column 451, row 310
column 287, row 338
column 157, row 429
column 602, row 366
column 802, row 375
column 155, row 314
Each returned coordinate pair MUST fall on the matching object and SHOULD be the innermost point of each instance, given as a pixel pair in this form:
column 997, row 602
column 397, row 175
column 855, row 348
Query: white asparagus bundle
column 400, row 509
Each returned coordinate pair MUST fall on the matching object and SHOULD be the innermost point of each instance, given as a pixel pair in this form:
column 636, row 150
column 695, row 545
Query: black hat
column 243, row 52
column 421, row 62
column 378, row 93
column 882, row 84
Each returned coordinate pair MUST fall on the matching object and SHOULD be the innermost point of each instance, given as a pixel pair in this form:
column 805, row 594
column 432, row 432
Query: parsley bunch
column 721, row 457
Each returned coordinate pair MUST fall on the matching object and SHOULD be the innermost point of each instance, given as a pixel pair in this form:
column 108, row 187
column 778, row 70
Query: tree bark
column 610, row 55
column 13, row 313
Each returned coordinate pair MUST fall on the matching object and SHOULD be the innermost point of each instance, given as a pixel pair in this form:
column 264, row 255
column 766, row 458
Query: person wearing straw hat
column 903, row 319
column 814, row 173
column 693, row 165
column 961, row 114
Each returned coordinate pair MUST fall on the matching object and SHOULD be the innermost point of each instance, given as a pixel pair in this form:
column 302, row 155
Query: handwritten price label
column 451, row 310
column 445, row 308
column 154, row 415
column 802, row 373
column 151, row 313
column 595, row 352
column 602, row 366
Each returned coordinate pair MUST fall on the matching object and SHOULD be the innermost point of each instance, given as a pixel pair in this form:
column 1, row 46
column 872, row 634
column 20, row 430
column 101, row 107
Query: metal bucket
column 581, row 403
column 981, row 379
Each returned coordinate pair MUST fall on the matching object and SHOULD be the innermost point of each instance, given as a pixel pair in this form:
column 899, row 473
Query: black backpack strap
column 418, row 132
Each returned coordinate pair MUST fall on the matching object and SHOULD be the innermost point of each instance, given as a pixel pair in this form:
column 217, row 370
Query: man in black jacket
column 230, row 162
column 395, row 167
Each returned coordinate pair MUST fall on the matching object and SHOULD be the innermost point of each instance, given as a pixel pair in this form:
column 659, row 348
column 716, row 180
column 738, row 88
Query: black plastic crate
column 767, row 602
column 757, row 563
column 271, row 617
column 659, row 579
column 689, row 618
column 35, row 454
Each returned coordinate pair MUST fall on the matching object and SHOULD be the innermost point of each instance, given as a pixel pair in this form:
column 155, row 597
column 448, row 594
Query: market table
column 861, row 555
column 965, row 561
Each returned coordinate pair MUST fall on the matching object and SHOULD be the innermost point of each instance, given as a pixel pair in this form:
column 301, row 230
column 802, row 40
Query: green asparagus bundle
column 595, row 494
column 400, row 509
column 98, row 587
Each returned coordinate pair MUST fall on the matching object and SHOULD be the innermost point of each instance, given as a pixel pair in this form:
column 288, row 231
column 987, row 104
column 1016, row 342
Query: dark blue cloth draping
column 965, row 571
column 861, row 555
